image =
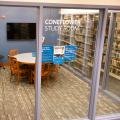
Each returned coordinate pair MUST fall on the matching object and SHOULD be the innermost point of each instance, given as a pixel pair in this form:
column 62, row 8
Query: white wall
column 91, row 2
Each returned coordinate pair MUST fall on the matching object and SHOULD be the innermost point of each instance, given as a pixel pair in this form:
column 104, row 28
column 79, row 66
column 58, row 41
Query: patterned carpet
column 64, row 98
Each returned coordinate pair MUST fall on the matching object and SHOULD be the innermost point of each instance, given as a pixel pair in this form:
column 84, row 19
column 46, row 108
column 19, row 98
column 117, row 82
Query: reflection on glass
column 76, row 31
column 114, row 73
column 111, row 83
column 67, row 96
column 83, row 35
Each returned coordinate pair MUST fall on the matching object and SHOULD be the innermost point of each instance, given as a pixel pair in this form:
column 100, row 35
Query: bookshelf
column 84, row 38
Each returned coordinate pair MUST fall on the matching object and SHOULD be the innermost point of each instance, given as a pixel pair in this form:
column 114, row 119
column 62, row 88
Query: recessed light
column 2, row 17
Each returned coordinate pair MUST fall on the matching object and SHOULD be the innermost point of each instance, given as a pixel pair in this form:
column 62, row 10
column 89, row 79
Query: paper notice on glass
column 59, row 50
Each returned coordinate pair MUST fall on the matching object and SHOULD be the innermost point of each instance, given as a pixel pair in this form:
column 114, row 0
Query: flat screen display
column 21, row 31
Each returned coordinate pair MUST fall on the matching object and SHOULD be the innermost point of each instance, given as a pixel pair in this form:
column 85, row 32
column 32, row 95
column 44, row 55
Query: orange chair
column 12, row 63
column 17, row 70
column 13, row 52
column 45, row 73
column 1, row 63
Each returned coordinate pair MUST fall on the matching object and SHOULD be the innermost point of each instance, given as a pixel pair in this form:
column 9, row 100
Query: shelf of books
column 115, row 62
column 84, row 36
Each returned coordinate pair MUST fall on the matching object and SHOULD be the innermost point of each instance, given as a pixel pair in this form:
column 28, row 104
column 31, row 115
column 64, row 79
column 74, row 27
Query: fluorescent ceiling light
column 78, row 11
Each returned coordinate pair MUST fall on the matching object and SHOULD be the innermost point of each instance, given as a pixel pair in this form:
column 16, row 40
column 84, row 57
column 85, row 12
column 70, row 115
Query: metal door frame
column 98, row 52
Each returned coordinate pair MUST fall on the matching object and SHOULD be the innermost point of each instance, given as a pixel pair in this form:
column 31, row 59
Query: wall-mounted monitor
column 21, row 31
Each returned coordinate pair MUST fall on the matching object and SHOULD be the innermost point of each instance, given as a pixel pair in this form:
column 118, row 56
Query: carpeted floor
column 64, row 98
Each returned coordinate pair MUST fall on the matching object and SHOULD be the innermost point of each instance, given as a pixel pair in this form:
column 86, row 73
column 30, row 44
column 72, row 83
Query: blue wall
column 51, row 37
column 25, row 15
column 16, row 14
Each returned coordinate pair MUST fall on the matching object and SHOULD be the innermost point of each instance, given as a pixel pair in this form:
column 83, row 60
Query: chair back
column 13, row 52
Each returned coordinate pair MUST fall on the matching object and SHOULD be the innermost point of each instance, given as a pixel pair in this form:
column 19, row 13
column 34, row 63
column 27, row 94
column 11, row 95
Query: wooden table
column 25, row 58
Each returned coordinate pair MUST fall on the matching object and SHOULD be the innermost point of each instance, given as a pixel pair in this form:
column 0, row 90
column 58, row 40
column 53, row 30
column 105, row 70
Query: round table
column 25, row 58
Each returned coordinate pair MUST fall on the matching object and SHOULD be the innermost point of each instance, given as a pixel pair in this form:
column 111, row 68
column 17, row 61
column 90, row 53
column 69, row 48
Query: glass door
column 113, row 78
column 68, row 53
column 110, row 69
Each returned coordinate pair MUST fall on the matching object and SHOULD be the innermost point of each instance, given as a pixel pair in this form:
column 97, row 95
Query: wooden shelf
column 83, row 49
column 78, row 38
column 84, row 35
column 111, row 74
column 115, row 67
column 84, row 42
column 66, row 42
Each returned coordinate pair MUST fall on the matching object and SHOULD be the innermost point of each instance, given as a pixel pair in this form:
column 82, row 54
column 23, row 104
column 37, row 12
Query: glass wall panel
column 68, row 53
column 84, row 37
column 17, row 42
column 110, row 72
column 105, row 49
column 114, row 72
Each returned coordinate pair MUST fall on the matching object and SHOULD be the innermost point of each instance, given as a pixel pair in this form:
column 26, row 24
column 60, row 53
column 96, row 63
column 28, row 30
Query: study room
column 55, row 59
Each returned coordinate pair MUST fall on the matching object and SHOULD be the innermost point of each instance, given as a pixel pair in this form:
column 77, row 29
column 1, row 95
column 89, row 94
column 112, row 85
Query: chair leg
column 56, row 71
column 47, row 81
column 11, row 76
column 56, row 74
column 35, row 83
column 30, row 77
column 18, row 79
